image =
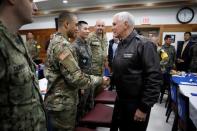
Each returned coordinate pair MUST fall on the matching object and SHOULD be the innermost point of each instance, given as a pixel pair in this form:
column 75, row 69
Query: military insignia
column 63, row 55
column 128, row 55
column 84, row 60
column 96, row 43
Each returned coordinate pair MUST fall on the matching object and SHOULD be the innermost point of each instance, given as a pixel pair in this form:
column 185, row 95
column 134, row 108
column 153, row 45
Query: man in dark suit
column 113, row 43
column 183, row 47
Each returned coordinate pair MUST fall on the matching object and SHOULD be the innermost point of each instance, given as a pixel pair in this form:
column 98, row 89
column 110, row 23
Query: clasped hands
column 106, row 81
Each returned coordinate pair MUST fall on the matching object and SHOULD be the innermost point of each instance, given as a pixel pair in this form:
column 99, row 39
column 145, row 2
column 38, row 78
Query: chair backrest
column 106, row 97
column 99, row 116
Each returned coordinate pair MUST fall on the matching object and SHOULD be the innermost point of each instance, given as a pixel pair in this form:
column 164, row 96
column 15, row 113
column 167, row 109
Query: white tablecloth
column 187, row 90
column 193, row 109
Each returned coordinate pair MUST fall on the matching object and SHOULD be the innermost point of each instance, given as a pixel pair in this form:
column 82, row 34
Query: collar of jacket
column 62, row 34
column 129, row 37
column 100, row 37
column 80, row 41
column 167, row 46
column 14, row 39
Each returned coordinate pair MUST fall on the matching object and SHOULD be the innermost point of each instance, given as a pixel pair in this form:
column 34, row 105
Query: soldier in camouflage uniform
column 21, row 105
column 84, row 57
column 98, row 43
column 33, row 46
column 170, row 50
column 64, row 76
column 167, row 63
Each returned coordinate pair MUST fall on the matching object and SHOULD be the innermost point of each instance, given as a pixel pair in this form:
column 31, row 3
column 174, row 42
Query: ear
column 126, row 25
column 66, row 24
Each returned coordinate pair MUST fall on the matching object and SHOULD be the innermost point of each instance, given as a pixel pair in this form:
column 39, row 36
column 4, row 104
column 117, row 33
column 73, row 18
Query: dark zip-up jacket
column 84, row 55
column 136, row 71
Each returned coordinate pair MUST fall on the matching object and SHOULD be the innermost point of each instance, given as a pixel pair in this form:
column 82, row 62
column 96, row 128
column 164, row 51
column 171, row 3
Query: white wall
column 156, row 16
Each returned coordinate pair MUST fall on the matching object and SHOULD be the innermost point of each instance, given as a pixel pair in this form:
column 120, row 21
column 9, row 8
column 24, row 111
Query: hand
column 180, row 60
column 82, row 92
column 106, row 81
column 139, row 116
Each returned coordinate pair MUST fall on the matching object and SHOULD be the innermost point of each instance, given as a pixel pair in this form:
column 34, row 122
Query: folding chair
column 99, row 116
column 106, row 97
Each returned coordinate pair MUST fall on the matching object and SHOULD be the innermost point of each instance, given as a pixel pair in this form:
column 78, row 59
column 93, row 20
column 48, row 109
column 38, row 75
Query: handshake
column 106, row 81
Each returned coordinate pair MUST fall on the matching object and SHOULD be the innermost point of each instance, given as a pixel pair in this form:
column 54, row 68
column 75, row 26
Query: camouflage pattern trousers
column 86, row 103
column 62, row 120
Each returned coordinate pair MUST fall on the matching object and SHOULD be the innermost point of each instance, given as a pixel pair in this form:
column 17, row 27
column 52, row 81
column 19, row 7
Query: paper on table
column 178, row 76
column 188, row 83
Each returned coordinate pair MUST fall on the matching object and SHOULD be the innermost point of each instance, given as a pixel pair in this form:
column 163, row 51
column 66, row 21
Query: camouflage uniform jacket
column 170, row 50
column 84, row 55
column 99, row 52
column 64, row 75
column 33, row 48
column 21, row 105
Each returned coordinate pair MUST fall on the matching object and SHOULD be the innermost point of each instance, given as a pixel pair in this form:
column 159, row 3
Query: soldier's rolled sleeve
column 2, row 66
column 96, row 80
column 71, row 71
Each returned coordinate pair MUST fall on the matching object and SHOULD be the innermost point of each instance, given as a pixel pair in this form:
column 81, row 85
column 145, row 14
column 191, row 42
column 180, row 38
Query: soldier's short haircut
column 126, row 16
column 65, row 16
column 80, row 23
column 188, row 33
column 167, row 36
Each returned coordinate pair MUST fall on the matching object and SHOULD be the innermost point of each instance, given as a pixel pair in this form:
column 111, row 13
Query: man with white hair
column 136, row 75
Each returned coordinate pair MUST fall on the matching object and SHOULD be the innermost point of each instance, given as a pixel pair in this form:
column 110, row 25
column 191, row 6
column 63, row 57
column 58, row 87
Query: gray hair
column 126, row 16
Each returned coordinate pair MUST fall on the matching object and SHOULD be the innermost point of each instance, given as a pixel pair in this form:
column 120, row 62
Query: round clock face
column 185, row 15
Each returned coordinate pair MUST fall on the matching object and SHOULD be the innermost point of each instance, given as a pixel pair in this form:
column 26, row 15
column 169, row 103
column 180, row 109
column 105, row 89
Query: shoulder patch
column 63, row 55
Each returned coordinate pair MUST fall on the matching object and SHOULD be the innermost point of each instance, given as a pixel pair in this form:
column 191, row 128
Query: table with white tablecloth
column 191, row 92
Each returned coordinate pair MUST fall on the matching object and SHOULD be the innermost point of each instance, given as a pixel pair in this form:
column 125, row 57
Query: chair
column 165, row 86
column 172, row 105
column 99, row 116
column 106, row 97
column 83, row 129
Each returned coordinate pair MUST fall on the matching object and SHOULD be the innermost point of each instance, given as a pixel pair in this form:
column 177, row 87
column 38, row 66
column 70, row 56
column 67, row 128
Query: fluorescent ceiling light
column 39, row 0
column 65, row 1
column 149, row 4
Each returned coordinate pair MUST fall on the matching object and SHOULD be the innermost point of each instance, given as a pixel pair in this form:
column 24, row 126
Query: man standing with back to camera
column 21, row 105
column 136, row 75
column 64, row 76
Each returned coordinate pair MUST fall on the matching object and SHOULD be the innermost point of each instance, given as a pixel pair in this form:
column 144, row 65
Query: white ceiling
column 55, row 6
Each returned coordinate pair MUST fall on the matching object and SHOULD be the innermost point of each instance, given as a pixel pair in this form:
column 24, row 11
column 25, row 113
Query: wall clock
column 185, row 15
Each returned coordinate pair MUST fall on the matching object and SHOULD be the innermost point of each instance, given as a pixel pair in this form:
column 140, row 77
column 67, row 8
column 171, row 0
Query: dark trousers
column 123, row 115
